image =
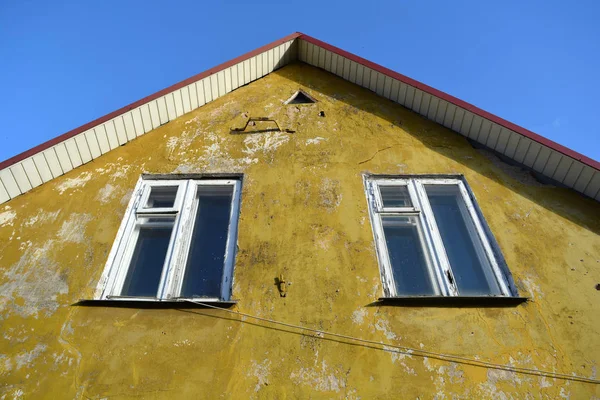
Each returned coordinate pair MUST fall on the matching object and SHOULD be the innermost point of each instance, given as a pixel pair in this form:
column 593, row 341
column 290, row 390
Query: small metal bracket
column 261, row 119
column 281, row 286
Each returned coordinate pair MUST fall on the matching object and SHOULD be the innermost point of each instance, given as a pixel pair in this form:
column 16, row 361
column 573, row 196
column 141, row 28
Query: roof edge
column 379, row 68
column 49, row 143
column 457, row 102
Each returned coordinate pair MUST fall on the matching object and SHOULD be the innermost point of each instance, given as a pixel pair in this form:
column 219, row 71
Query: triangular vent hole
column 300, row 97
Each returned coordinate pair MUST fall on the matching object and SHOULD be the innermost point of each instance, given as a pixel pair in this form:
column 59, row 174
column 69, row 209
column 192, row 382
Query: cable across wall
column 414, row 351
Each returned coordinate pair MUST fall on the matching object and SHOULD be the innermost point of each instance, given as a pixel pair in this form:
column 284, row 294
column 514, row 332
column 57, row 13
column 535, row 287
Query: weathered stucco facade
column 304, row 215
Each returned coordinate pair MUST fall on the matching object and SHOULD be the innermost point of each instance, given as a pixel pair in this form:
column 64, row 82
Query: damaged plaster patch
column 315, row 140
column 215, row 156
column 330, row 194
column 172, row 142
column 126, row 197
column 5, row 365
column 498, row 375
column 319, row 379
column 564, row 394
column 41, row 218
column 532, row 288
column 24, row 359
column 495, row 376
column 265, row 142
column 384, row 326
column 261, row 372
column 120, row 172
column 105, row 194
column 453, row 372
column 324, row 237
column 399, row 356
column 74, row 183
column 73, row 230
column 115, row 170
column 544, row 383
column 358, row 316
column 35, row 279
column 182, row 343
column 7, row 217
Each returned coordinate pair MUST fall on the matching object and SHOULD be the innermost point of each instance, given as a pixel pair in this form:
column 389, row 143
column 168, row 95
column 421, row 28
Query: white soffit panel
column 523, row 150
column 83, row 147
column 126, row 125
column 53, row 162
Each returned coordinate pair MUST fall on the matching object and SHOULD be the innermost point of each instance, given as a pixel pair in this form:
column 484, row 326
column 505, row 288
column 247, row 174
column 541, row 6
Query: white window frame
column 184, row 212
column 440, row 269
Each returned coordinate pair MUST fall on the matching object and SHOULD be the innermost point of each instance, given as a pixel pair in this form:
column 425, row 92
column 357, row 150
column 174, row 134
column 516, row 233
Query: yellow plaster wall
column 303, row 214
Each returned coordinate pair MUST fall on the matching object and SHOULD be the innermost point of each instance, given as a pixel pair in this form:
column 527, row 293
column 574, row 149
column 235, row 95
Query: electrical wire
column 417, row 352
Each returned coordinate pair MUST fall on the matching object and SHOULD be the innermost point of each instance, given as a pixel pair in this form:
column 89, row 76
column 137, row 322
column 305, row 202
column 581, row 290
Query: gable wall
column 534, row 152
column 304, row 215
column 118, row 128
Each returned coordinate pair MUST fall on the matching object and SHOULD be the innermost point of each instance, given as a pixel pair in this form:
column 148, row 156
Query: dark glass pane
column 407, row 256
column 162, row 196
column 471, row 268
column 395, row 196
column 204, row 270
column 147, row 262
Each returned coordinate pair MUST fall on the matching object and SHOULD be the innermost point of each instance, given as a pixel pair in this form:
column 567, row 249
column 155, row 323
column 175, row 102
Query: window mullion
column 230, row 246
column 118, row 250
column 387, row 277
column 132, row 238
column 181, row 237
column 443, row 270
column 483, row 238
column 375, row 197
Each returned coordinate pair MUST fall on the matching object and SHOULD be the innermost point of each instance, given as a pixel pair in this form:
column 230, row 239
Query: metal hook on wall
column 260, row 119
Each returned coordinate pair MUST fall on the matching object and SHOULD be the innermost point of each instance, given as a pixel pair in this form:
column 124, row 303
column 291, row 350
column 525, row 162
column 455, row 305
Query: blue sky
column 535, row 63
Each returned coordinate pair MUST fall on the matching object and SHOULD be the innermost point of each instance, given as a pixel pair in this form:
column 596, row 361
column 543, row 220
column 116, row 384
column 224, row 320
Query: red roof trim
column 460, row 103
column 122, row 110
column 428, row 89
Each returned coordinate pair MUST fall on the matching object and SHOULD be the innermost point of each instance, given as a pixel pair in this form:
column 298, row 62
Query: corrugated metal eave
column 526, row 148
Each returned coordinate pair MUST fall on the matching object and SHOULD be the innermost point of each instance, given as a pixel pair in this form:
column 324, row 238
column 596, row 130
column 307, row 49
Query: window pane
column 467, row 257
column 204, row 270
column 407, row 255
column 145, row 269
column 395, row 196
column 162, row 196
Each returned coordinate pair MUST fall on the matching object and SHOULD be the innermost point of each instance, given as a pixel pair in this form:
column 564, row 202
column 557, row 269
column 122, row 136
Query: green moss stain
column 304, row 215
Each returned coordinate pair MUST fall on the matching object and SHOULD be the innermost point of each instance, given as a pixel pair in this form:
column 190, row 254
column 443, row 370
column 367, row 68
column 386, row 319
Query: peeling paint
column 106, row 193
column 7, row 217
column 261, row 372
column 384, row 326
column 330, row 192
column 266, row 142
column 39, row 289
column 73, row 229
column 42, row 218
column 26, row 358
column 78, row 182
column 303, row 215
column 358, row 316
column 315, row 140
column 320, row 379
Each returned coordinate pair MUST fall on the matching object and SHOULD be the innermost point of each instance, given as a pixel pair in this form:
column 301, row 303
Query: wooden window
column 177, row 241
column 432, row 239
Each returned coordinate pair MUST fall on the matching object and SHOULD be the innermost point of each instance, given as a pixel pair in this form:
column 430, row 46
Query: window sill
column 451, row 301
column 151, row 303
